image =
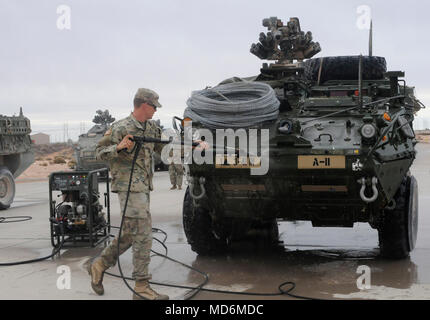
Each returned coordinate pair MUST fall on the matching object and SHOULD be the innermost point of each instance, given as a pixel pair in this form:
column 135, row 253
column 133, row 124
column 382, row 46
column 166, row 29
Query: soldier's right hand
column 126, row 143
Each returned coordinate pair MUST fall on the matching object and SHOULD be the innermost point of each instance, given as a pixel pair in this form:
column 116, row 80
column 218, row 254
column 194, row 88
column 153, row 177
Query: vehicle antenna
column 371, row 39
column 360, row 82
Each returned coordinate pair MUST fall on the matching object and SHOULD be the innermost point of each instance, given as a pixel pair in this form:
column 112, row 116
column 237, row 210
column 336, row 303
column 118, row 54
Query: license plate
column 235, row 162
column 321, row 162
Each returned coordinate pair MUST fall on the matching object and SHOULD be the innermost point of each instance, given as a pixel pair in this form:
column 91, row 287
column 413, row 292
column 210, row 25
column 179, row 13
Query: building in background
column 40, row 138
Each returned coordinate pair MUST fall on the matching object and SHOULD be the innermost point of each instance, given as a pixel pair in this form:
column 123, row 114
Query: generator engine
column 78, row 216
column 74, row 214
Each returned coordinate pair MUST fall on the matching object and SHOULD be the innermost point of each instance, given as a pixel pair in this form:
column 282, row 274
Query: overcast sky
column 174, row 47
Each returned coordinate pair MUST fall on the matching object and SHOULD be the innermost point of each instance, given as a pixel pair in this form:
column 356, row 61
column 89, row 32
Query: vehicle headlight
column 368, row 131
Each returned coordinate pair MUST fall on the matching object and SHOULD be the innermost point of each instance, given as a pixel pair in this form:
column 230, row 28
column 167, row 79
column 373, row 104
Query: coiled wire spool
column 233, row 105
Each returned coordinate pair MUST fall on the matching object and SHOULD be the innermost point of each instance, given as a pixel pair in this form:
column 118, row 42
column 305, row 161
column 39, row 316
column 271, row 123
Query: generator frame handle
column 90, row 198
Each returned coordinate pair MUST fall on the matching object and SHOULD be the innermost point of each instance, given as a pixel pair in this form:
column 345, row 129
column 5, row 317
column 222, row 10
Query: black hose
column 196, row 289
column 57, row 250
column 193, row 289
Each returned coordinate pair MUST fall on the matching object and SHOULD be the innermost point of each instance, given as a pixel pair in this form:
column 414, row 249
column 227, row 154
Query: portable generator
column 78, row 219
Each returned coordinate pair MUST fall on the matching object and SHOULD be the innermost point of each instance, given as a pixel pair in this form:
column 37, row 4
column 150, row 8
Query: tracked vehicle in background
column 16, row 154
column 340, row 151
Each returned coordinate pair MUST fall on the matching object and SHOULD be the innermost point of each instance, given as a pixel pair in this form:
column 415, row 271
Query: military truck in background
column 16, row 154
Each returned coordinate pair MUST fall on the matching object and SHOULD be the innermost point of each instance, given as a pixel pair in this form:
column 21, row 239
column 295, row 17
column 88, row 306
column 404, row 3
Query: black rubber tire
column 345, row 68
column 199, row 229
column 397, row 235
column 8, row 182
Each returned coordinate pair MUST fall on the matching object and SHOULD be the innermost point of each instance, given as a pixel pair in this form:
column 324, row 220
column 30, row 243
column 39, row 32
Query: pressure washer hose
column 197, row 289
column 193, row 289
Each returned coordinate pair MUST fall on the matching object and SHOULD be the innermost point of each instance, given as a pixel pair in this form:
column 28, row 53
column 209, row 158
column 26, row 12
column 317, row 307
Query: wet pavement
column 322, row 262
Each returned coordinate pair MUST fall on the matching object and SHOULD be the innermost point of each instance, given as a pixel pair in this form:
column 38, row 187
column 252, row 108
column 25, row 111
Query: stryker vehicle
column 85, row 151
column 16, row 154
column 340, row 150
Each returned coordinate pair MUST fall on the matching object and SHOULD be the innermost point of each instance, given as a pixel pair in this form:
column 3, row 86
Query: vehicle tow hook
column 366, row 199
column 192, row 184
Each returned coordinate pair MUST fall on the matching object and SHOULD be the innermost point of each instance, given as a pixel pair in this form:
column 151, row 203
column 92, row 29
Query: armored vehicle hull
column 339, row 153
column 16, row 154
column 85, row 151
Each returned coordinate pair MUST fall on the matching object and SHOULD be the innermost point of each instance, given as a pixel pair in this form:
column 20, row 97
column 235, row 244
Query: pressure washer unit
column 78, row 218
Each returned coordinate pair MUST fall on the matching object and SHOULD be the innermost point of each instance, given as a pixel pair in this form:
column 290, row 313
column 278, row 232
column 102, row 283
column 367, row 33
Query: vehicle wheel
column 345, row 68
column 7, row 188
column 399, row 226
column 199, row 229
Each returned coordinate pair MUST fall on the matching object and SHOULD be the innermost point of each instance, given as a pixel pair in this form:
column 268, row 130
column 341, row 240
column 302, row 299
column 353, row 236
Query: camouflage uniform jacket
column 120, row 163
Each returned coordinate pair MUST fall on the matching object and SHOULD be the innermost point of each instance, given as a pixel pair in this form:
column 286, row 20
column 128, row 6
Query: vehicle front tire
column 7, row 188
column 199, row 229
column 399, row 226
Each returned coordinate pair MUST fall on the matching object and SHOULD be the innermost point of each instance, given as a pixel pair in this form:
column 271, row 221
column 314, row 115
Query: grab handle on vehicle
column 374, row 190
column 322, row 135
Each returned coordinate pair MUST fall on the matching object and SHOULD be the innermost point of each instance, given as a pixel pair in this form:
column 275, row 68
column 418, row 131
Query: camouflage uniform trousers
column 176, row 173
column 136, row 233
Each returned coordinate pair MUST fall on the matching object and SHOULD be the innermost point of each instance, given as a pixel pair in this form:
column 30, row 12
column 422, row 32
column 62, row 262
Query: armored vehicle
column 340, row 145
column 16, row 154
column 85, row 151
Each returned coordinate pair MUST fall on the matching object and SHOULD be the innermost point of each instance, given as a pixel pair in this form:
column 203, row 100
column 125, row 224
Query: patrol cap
column 148, row 96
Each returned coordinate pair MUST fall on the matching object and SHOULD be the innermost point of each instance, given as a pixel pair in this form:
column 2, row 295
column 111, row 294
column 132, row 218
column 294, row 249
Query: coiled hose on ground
column 233, row 105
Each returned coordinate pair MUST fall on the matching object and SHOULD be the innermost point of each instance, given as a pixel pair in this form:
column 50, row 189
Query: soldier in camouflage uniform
column 176, row 169
column 116, row 148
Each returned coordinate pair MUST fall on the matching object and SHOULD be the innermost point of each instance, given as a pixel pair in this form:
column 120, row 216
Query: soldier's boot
column 179, row 187
column 96, row 270
column 144, row 289
column 174, row 187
